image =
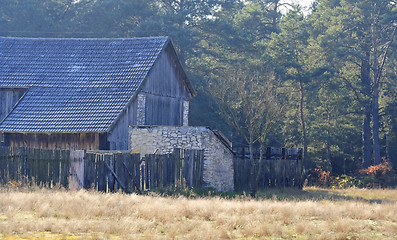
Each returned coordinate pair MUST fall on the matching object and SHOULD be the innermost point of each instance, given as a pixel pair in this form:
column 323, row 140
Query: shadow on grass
column 314, row 194
column 279, row 194
column 192, row 193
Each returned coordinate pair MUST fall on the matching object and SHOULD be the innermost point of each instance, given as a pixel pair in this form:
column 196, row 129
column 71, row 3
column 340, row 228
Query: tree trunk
column 303, row 124
column 366, row 134
column 375, row 124
column 375, row 94
column 391, row 140
column 253, row 186
column 274, row 18
column 259, row 173
column 328, row 141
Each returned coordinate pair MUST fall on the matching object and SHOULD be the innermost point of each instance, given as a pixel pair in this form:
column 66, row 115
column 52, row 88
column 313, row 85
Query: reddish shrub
column 320, row 177
column 380, row 175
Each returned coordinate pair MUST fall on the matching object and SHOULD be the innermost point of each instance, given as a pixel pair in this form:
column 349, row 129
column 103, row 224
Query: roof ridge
column 86, row 39
column 63, row 87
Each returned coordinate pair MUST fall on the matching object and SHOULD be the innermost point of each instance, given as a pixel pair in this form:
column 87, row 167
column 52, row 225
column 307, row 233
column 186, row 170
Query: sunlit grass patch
column 310, row 213
column 55, row 236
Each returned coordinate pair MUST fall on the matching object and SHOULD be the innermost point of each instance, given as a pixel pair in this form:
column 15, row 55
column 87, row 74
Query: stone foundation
column 218, row 158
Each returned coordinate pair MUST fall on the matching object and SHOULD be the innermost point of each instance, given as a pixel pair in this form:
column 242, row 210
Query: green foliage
column 322, row 178
column 346, row 181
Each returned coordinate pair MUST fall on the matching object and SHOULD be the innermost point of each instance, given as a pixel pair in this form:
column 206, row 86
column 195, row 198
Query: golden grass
column 309, row 214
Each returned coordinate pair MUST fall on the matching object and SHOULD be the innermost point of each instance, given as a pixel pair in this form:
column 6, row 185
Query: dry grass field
column 276, row 214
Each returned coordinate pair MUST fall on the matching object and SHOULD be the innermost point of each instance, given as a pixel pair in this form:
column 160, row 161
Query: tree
column 182, row 21
column 226, row 41
column 26, row 18
column 389, row 112
column 361, row 33
column 248, row 101
column 83, row 18
column 288, row 51
column 107, row 18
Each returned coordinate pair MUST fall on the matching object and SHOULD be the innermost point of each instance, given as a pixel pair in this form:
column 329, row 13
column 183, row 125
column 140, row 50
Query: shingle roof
column 74, row 85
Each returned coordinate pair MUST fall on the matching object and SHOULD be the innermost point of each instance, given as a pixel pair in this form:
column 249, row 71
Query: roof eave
column 139, row 88
column 142, row 83
column 185, row 78
column 48, row 132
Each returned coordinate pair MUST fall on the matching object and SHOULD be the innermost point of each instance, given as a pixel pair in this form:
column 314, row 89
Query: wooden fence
column 107, row 171
column 34, row 166
column 280, row 167
column 112, row 171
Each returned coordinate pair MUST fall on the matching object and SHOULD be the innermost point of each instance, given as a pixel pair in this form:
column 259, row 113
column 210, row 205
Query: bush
column 346, row 181
column 381, row 175
column 319, row 177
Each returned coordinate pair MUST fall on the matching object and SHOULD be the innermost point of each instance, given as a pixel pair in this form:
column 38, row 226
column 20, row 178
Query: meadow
column 311, row 213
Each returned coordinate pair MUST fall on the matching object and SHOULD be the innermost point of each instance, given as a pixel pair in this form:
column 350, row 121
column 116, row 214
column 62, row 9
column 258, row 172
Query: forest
column 266, row 72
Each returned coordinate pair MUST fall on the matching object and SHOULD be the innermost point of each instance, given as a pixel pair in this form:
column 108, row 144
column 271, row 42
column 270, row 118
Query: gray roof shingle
column 74, row 85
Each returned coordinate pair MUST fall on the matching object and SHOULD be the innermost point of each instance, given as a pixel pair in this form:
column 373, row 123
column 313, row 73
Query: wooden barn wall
column 118, row 138
column 165, row 91
column 87, row 141
column 163, row 111
column 8, row 98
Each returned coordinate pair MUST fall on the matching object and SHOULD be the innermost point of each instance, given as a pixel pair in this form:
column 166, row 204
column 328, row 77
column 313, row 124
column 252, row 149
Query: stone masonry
column 141, row 109
column 185, row 113
column 218, row 158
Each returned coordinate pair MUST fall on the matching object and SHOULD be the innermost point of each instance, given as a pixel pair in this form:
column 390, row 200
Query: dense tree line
column 323, row 78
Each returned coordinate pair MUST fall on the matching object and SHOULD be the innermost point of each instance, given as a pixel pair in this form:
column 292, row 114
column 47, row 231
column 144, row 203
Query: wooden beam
column 115, row 176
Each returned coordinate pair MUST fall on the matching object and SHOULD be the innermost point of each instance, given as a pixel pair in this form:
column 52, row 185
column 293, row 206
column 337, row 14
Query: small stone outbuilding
column 218, row 156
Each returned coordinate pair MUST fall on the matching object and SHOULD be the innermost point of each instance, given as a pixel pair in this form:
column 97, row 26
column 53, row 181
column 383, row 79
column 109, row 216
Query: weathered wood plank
column 76, row 180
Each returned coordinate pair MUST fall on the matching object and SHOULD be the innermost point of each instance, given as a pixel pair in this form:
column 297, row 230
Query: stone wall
column 185, row 113
column 218, row 159
column 141, row 109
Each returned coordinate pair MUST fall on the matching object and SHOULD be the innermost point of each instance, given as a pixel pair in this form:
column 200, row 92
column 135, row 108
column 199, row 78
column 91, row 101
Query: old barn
column 112, row 94
column 85, row 93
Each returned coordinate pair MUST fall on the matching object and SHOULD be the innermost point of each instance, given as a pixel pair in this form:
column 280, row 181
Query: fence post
column 76, row 171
